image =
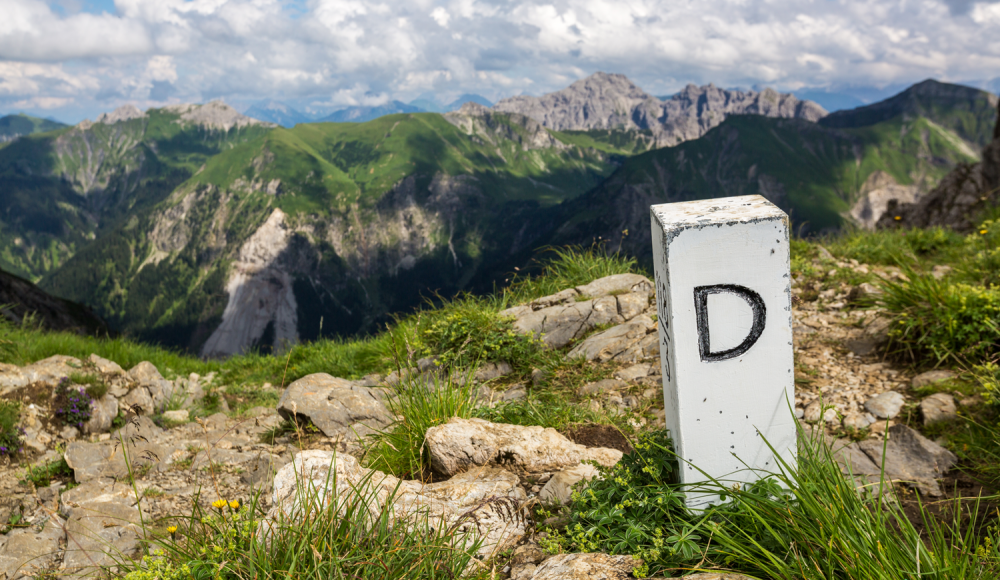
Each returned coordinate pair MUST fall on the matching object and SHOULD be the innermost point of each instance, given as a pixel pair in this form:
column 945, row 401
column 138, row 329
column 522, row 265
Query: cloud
column 333, row 53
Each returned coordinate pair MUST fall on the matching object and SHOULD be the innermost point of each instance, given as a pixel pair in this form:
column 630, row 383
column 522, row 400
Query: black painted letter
column 701, row 309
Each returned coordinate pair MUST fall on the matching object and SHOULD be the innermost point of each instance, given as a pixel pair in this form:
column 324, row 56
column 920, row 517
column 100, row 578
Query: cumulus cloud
column 332, row 53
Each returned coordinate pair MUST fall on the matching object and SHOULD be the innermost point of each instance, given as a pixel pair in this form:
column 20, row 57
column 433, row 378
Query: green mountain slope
column 14, row 126
column 329, row 227
column 965, row 111
column 820, row 174
column 61, row 189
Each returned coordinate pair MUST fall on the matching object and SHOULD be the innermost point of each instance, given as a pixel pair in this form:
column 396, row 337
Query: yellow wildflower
column 897, row 218
column 219, row 504
column 982, row 232
column 235, row 504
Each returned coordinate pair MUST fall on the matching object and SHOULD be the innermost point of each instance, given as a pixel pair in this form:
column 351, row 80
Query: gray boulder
column 910, row 458
column 47, row 371
column 102, row 412
column 160, row 390
column 559, row 488
column 143, row 441
column 29, row 552
column 99, row 534
column 938, row 407
column 931, row 377
column 337, row 407
column 602, row 386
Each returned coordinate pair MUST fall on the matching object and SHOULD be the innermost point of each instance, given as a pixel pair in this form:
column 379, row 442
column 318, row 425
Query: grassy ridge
column 12, row 126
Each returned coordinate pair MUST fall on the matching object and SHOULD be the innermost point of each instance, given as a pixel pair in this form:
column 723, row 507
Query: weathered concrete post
column 725, row 322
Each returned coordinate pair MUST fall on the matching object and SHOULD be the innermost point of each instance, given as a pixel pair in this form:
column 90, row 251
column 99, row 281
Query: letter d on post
column 723, row 291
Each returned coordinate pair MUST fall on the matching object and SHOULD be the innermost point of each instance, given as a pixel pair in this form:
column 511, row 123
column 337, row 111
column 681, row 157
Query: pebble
column 885, row 405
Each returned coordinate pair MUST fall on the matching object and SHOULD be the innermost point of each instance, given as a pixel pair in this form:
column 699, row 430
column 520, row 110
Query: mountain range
column 845, row 168
column 286, row 116
column 201, row 228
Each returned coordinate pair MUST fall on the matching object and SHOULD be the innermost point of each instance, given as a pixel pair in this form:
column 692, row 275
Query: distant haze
column 71, row 59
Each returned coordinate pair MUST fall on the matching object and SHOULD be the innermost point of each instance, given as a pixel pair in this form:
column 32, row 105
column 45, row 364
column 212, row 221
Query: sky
column 73, row 59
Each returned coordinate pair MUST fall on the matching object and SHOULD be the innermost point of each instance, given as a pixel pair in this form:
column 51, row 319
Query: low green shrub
column 468, row 330
column 948, row 321
column 71, row 405
column 11, row 435
column 568, row 267
column 93, row 385
column 8, row 343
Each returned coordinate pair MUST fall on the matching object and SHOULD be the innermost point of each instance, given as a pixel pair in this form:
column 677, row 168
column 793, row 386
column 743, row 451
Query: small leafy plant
column 11, row 435
column 43, row 475
column 72, row 405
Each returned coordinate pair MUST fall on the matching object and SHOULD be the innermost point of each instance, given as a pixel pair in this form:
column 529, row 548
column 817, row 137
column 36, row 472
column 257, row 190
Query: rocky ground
column 843, row 385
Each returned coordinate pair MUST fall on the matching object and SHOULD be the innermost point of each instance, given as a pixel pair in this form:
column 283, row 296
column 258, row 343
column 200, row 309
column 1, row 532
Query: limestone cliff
column 612, row 101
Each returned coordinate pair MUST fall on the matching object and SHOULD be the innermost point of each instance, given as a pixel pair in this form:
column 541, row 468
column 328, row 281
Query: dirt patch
column 962, row 491
column 599, row 436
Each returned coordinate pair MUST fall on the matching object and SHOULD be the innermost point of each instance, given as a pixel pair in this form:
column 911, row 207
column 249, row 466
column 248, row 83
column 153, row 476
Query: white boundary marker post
column 723, row 291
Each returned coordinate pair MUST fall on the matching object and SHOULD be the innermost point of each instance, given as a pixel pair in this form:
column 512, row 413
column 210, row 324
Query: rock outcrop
column 465, row 503
column 560, row 318
column 461, row 444
column 612, row 101
column 338, row 407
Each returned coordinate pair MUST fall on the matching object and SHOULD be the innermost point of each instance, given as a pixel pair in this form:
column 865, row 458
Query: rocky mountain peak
column 214, row 115
column 600, row 101
column 122, row 113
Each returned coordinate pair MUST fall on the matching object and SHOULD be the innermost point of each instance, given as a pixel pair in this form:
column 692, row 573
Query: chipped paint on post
column 723, row 290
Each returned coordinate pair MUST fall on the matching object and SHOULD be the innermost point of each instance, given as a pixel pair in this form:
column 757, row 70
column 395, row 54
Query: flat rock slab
column 28, row 552
column 579, row 567
column 473, row 502
column 142, row 439
column 931, row 377
column 910, row 458
column 98, row 534
column 336, row 406
column 47, row 371
column 629, row 342
column 461, row 444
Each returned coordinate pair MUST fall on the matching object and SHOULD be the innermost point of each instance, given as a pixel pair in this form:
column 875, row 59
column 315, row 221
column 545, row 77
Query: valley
column 200, row 228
